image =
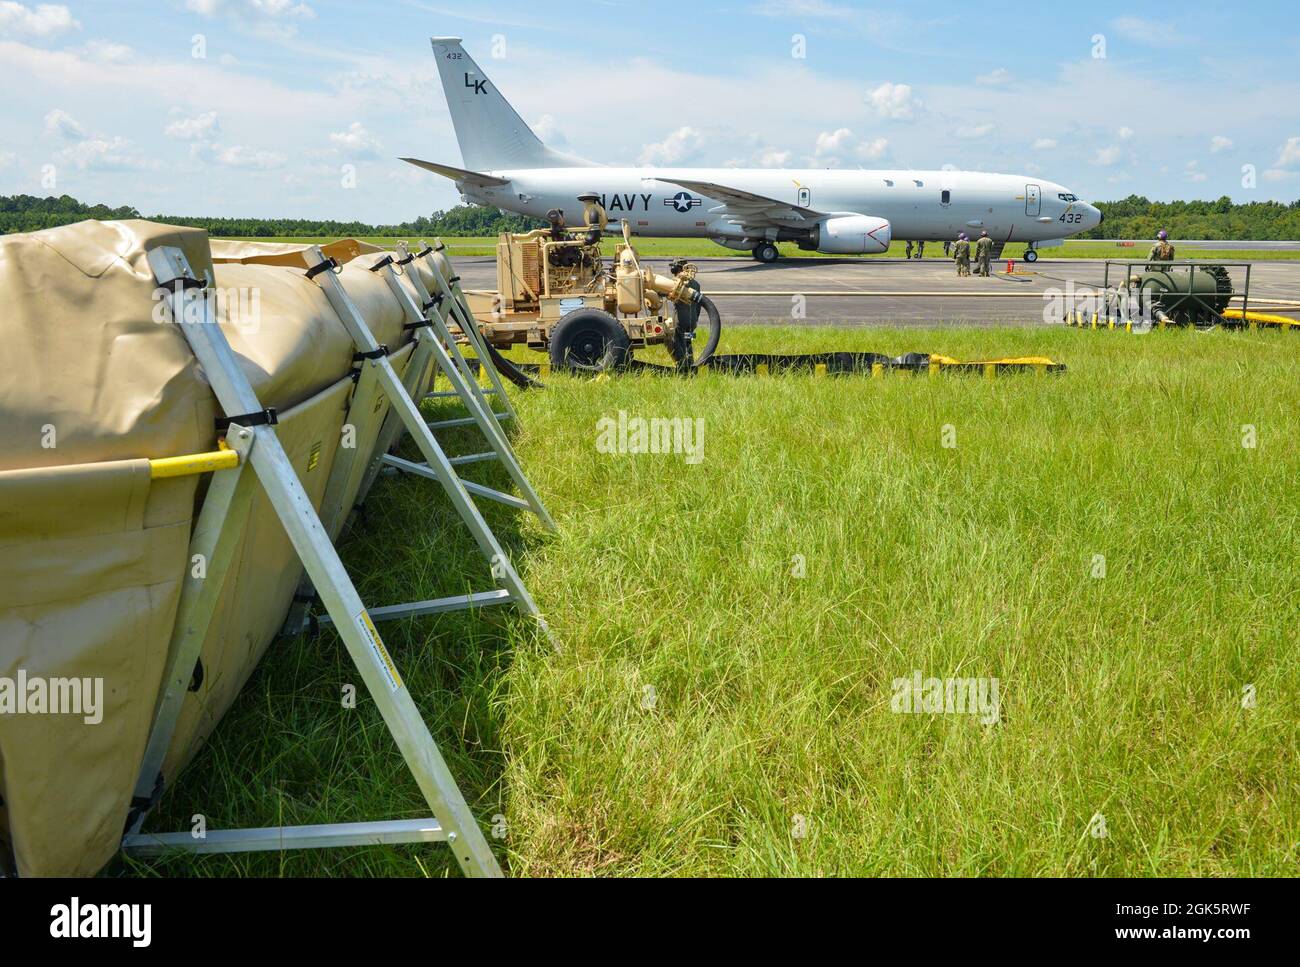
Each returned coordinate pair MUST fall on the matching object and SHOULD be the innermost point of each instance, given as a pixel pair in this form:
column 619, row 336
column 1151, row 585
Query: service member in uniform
column 983, row 253
column 961, row 254
column 1162, row 251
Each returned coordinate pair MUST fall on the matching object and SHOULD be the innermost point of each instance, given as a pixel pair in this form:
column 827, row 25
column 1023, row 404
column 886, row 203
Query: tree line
column 1138, row 217
column 1133, row 217
column 27, row 213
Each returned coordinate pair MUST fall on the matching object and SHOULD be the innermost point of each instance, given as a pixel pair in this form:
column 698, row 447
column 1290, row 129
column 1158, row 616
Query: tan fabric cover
column 92, row 551
column 292, row 254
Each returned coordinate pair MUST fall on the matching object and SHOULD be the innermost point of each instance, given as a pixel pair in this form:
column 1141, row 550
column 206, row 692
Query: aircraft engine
column 852, row 235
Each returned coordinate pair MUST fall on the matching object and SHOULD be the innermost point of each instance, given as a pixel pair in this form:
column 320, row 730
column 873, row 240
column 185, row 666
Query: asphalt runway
column 1018, row 300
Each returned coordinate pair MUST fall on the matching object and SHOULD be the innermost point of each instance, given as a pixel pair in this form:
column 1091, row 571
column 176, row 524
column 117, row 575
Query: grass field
column 708, row 705
column 704, row 248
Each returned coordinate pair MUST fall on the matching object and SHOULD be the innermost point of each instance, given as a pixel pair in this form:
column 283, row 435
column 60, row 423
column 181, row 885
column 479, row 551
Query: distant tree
column 1131, row 217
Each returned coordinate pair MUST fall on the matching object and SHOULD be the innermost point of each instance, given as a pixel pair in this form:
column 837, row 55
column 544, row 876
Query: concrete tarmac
column 944, row 299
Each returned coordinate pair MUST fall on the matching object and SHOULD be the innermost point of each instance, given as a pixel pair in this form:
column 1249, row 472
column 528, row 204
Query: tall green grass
column 712, row 713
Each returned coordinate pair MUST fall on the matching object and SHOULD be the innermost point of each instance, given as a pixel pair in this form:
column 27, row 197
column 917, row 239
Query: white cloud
column 682, row 144
column 995, row 77
column 105, row 154
column 60, row 124
column 548, row 130
column 1219, row 143
column 1290, row 155
column 203, row 127
column 836, row 147
column 1045, row 144
column 43, row 20
column 872, row 150
column 893, row 101
column 1150, row 32
column 803, row 8
column 973, row 131
column 772, row 158
column 1125, row 134
column 833, row 142
column 256, row 8
column 1194, row 172
column 357, row 141
column 107, row 51
column 1107, row 156
column 238, row 156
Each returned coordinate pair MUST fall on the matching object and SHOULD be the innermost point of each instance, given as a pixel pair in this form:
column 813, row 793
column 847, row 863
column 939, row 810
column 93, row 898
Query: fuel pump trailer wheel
column 589, row 341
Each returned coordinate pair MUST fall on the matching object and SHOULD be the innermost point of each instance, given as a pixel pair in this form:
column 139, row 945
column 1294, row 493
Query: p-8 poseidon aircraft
column 833, row 211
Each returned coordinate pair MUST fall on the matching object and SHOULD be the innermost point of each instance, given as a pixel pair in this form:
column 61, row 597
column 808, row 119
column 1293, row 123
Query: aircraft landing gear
column 1031, row 255
column 766, row 253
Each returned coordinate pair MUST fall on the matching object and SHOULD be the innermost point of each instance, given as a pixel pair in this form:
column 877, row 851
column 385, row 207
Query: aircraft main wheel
column 1031, row 255
column 766, row 253
column 589, row 341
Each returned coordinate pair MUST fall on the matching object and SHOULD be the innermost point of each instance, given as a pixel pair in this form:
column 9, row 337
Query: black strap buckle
column 409, row 326
column 406, row 261
column 428, row 249
column 328, row 265
column 183, row 282
column 143, row 804
column 386, row 260
column 433, row 303
column 373, row 354
column 266, row 417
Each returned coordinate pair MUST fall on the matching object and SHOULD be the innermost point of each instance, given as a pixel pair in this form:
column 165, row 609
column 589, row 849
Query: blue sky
column 301, row 107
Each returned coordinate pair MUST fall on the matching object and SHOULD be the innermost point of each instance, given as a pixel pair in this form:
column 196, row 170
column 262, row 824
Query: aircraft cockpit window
column 1066, row 197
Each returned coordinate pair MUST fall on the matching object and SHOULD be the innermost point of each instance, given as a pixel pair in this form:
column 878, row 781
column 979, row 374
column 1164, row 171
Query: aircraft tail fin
column 491, row 133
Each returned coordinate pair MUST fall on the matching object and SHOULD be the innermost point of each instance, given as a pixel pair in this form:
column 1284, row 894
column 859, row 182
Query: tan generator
column 555, row 293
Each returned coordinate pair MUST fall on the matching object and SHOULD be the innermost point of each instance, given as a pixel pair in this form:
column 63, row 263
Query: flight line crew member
column 920, row 249
column 983, row 253
column 1162, row 251
column 961, row 254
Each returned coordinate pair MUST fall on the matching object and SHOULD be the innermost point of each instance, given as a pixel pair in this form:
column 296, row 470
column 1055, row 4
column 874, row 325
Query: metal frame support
column 212, row 549
column 465, row 385
column 464, row 319
column 437, row 464
column 273, row 471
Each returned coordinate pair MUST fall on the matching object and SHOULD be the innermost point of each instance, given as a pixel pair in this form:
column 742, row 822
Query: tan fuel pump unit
column 556, row 293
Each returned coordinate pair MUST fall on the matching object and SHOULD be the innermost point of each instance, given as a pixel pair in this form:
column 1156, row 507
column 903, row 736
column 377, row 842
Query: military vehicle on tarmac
column 557, row 294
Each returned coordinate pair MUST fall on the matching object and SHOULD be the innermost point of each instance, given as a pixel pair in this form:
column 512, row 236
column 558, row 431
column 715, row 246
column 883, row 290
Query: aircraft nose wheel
column 766, row 253
column 1031, row 255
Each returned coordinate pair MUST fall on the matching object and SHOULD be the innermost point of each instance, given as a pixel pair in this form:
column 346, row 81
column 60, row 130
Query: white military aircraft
column 834, row 211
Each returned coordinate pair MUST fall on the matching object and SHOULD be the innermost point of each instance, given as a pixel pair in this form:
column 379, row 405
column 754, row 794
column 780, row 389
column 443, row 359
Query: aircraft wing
column 477, row 179
column 751, row 210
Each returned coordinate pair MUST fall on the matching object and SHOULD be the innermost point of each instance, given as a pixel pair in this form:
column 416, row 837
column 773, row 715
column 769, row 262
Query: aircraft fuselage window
column 945, row 197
